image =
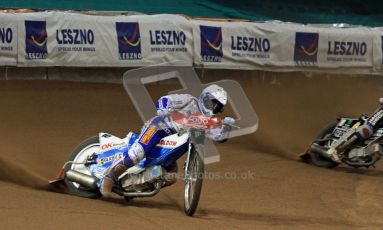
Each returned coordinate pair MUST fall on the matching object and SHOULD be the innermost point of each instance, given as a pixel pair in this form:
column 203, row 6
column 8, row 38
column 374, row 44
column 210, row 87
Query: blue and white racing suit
column 159, row 127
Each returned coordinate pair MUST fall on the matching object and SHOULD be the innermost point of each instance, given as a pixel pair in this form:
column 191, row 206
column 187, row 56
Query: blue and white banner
column 243, row 45
column 147, row 40
column 345, row 47
column 8, row 39
column 68, row 39
column 281, row 46
column 72, row 39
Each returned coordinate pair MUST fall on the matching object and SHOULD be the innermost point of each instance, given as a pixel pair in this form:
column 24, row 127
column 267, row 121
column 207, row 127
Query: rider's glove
column 226, row 127
column 228, row 121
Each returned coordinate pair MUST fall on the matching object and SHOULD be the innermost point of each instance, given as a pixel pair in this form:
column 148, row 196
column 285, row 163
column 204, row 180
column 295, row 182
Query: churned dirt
column 259, row 183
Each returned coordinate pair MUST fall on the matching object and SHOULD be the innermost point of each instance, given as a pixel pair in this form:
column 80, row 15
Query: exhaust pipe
column 81, row 178
column 315, row 148
column 121, row 192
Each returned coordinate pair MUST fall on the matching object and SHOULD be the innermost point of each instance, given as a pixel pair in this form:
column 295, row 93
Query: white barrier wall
column 71, row 39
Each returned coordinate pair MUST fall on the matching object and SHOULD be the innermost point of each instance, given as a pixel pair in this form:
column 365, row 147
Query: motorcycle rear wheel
column 80, row 154
column 193, row 183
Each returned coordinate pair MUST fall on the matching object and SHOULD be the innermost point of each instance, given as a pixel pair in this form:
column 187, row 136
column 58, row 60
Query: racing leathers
column 364, row 131
column 157, row 128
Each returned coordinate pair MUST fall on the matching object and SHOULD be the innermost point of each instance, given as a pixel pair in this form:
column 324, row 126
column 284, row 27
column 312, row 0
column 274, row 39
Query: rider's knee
column 136, row 153
column 119, row 169
column 364, row 131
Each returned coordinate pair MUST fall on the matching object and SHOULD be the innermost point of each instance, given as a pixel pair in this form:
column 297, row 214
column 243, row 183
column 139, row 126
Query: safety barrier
column 54, row 38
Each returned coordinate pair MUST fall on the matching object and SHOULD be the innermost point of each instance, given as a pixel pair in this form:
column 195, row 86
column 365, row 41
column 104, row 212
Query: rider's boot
column 106, row 187
column 334, row 155
column 112, row 178
column 131, row 157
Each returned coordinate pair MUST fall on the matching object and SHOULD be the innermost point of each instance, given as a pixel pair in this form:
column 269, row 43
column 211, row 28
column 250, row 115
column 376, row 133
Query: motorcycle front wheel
column 193, row 182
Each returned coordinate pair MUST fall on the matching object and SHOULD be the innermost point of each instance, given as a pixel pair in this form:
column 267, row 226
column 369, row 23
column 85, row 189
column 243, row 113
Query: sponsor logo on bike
column 148, row 135
column 339, row 132
column 36, row 38
column 375, row 118
column 129, row 40
column 211, row 43
column 198, row 121
column 306, row 48
column 165, row 143
column 108, row 146
column 104, row 160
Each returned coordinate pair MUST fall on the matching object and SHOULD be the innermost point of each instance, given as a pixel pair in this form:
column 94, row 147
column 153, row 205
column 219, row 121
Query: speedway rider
column 374, row 122
column 211, row 102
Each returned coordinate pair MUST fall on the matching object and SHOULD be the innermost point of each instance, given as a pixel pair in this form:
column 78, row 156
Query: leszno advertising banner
column 66, row 39
column 243, row 45
column 153, row 39
column 281, row 46
column 334, row 48
column 8, row 39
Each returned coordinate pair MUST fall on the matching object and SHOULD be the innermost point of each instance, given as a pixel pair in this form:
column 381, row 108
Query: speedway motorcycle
column 90, row 160
column 360, row 154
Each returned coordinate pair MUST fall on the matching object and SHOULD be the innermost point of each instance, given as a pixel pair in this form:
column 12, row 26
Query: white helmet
column 212, row 100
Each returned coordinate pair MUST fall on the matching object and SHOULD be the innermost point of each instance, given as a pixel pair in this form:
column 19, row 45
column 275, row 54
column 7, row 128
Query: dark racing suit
column 364, row 131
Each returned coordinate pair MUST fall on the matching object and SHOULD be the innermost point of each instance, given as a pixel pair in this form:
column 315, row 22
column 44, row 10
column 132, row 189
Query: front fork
column 187, row 161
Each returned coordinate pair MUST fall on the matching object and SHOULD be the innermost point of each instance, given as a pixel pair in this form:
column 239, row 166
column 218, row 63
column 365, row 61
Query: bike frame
column 159, row 155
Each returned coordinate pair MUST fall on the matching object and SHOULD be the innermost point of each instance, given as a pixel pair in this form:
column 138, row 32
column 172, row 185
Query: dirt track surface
column 42, row 122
